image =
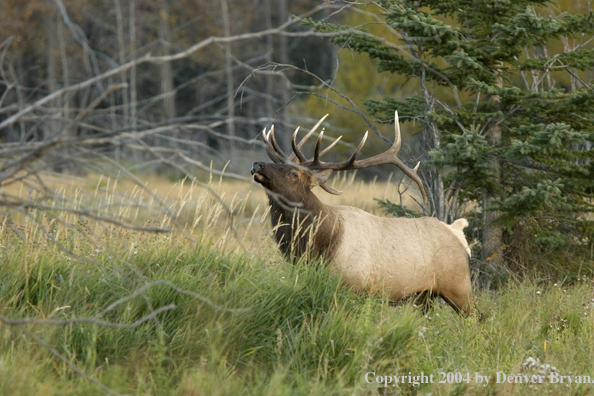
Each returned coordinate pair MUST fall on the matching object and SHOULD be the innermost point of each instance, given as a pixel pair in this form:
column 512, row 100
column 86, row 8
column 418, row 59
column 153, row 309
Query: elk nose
column 256, row 166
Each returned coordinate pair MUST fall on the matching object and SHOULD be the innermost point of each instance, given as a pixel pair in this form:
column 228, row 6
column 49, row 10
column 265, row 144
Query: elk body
column 399, row 256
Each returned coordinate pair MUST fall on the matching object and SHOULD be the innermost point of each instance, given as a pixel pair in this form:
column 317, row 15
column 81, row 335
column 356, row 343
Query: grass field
column 213, row 309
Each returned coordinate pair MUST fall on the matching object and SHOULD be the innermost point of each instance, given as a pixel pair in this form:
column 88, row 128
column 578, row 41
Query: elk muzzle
column 257, row 168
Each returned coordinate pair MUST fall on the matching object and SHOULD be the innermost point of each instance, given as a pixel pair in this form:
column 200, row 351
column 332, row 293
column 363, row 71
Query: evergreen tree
column 506, row 110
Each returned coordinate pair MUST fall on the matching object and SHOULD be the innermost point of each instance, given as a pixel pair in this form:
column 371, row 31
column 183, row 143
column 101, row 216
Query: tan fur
column 403, row 256
column 394, row 255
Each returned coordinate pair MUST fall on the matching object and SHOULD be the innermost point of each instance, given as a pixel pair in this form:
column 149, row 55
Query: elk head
column 292, row 177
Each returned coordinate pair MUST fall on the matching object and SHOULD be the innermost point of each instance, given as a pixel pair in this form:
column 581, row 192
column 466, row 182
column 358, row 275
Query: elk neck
column 312, row 229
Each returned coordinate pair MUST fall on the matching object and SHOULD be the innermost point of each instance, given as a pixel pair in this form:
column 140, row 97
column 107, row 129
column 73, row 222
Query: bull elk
column 400, row 256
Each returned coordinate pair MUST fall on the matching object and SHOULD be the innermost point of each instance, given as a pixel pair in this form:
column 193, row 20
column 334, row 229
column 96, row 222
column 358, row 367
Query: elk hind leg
column 460, row 300
column 425, row 299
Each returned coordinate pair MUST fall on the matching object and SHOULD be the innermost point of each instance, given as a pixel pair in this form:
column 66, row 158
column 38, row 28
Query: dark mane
column 294, row 226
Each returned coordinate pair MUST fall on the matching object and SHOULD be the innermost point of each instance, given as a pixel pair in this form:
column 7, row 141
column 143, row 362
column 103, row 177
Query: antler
column 277, row 155
column 272, row 148
column 388, row 157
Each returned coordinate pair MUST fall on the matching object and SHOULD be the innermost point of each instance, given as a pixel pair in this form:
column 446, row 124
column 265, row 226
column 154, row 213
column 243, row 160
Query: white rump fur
column 458, row 227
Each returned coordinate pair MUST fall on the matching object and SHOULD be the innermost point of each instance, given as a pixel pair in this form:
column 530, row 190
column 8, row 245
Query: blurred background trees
column 494, row 97
column 52, row 45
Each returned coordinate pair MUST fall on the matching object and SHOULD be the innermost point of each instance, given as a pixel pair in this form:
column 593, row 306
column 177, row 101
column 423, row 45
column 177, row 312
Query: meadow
column 211, row 308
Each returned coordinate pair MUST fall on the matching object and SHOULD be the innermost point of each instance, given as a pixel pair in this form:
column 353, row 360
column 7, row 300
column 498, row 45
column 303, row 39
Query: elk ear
column 320, row 177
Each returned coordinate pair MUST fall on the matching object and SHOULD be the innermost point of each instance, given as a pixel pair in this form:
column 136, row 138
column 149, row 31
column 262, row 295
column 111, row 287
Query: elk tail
column 457, row 228
column 459, row 224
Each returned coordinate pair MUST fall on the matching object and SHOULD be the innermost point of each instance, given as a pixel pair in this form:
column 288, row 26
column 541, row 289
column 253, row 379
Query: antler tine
column 388, row 157
column 275, row 145
column 296, row 150
column 275, row 156
column 316, row 158
column 412, row 173
column 398, row 140
column 330, row 190
column 293, row 156
column 353, row 157
column 299, row 153
column 330, row 146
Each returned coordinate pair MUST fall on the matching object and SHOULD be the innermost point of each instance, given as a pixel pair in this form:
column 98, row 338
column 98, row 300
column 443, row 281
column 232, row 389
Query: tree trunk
column 438, row 190
column 166, row 69
column 52, row 84
column 65, row 69
column 123, row 77
column 122, row 56
column 436, row 194
column 284, row 59
column 132, row 33
column 269, row 51
column 492, row 248
column 229, row 78
column 52, row 68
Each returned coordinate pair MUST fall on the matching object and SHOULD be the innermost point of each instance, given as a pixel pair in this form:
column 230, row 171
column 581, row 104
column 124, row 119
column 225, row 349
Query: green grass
column 247, row 322
column 266, row 321
column 270, row 328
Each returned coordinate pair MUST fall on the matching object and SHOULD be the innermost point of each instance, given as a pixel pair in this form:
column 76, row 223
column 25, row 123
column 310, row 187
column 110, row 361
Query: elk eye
column 293, row 175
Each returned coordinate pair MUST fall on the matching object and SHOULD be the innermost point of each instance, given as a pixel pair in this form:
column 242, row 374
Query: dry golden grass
column 227, row 214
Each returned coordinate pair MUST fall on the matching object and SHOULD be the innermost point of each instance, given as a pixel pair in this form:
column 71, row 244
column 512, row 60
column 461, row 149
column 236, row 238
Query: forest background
column 87, row 81
column 97, row 98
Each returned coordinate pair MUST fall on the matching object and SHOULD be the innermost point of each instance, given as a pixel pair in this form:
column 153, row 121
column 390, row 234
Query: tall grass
column 247, row 322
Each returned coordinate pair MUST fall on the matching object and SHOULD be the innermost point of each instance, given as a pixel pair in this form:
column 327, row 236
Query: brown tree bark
column 492, row 233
